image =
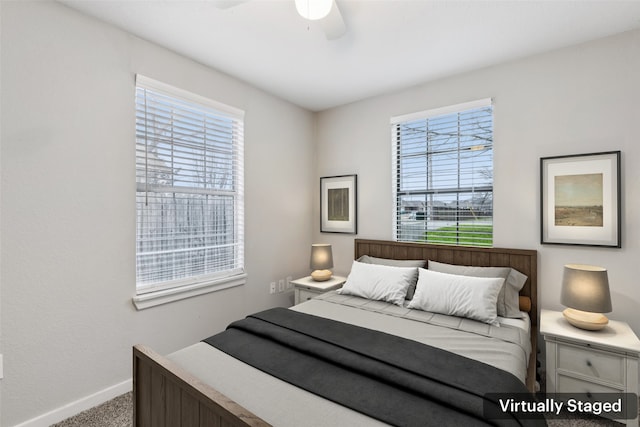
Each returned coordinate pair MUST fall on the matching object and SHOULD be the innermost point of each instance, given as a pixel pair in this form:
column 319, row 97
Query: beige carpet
column 114, row 413
column 117, row 413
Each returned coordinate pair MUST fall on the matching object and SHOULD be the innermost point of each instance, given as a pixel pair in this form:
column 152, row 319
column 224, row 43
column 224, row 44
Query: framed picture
column 338, row 204
column 580, row 199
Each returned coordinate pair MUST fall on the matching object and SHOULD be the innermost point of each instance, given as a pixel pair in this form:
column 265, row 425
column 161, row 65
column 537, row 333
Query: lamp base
column 321, row 275
column 585, row 319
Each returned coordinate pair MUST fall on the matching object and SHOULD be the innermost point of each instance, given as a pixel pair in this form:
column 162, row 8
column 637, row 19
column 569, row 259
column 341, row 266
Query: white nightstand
column 307, row 288
column 580, row 361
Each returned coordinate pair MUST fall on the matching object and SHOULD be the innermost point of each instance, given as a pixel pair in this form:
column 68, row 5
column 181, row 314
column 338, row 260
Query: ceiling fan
column 325, row 12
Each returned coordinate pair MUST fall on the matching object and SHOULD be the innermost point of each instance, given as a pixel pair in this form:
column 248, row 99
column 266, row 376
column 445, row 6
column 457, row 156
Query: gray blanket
column 398, row 381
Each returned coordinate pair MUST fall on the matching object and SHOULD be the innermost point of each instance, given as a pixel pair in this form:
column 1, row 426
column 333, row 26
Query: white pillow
column 509, row 297
column 366, row 259
column 379, row 282
column 454, row 295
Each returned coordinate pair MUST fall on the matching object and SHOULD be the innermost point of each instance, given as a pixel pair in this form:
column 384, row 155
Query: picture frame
column 580, row 200
column 338, row 204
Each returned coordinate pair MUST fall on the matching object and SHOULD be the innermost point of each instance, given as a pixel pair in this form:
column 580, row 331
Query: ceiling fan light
column 313, row 9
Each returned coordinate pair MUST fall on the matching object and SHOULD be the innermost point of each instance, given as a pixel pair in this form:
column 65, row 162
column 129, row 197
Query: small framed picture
column 338, row 204
column 580, row 199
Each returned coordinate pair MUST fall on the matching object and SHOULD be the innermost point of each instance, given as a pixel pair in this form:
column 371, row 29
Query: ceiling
column 389, row 44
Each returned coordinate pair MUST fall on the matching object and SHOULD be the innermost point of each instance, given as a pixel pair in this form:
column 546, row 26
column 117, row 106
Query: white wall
column 1, row 362
column 68, row 206
column 576, row 100
column 67, row 188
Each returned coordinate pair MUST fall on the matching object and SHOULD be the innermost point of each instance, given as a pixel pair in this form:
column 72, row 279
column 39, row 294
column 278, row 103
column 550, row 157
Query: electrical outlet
column 289, row 284
column 272, row 287
column 281, row 285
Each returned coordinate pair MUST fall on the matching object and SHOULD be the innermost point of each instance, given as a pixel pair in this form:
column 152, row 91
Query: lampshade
column 585, row 291
column 321, row 256
column 313, row 9
column 321, row 261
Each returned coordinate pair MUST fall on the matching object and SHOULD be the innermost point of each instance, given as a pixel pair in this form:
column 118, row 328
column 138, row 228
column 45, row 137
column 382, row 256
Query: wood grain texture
column 166, row 395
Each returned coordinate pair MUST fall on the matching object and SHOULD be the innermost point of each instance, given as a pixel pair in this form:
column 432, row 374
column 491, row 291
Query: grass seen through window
column 462, row 235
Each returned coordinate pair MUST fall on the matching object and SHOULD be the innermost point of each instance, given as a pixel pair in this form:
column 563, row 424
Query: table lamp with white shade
column 321, row 262
column 585, row 293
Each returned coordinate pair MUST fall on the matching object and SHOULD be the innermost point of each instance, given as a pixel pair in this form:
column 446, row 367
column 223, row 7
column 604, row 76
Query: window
column 189, row 198
column 443, row 181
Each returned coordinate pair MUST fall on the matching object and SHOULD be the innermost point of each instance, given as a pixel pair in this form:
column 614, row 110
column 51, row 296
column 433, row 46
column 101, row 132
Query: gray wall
column 67, row 188
column 68, row 206
column 576, row 100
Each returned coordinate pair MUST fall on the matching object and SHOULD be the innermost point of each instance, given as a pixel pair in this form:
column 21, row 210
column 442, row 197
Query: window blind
column 189, row 182
column 443, row 180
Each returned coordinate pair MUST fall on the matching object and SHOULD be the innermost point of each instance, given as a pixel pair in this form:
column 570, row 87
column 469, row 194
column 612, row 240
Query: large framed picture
column 338, row 204
column 580, row 199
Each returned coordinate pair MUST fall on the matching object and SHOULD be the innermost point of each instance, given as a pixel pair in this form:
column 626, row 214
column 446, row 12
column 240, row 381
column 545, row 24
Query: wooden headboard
column 523, row 260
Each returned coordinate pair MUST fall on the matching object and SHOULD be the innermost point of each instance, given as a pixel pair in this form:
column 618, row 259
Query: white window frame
column 164, row 291
column 399, row 219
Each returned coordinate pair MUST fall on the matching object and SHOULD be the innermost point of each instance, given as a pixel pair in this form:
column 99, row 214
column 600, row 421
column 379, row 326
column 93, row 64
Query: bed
column 203, row 386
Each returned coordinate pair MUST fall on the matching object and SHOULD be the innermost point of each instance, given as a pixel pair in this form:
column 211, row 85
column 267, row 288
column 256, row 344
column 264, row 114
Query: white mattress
column 282, row 404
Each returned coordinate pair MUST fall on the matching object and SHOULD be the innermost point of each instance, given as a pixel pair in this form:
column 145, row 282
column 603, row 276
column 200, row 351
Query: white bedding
column 524, row 323
column 282, row 404
column 506, row 347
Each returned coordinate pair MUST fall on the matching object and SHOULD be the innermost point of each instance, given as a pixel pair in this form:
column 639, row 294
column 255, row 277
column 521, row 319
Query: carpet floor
column 118, row 413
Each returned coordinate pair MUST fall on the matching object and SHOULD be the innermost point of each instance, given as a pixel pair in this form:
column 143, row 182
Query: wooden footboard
column 165, row 395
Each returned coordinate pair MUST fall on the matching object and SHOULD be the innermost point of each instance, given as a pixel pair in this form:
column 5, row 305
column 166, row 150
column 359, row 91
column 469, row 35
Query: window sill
column 152, row 299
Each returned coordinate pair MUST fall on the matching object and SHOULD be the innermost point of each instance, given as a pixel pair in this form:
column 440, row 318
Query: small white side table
column 580, row 361
column 306, row 288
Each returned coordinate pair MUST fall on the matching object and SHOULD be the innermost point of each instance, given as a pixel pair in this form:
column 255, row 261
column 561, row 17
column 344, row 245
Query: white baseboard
column 73, row 408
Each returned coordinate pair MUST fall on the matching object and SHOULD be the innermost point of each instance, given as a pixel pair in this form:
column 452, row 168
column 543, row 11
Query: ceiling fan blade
column 226, row 4
column 333, row 25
